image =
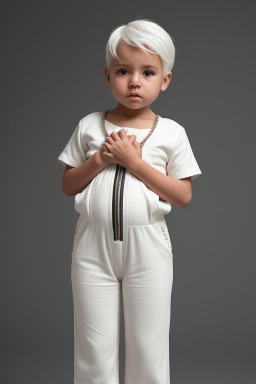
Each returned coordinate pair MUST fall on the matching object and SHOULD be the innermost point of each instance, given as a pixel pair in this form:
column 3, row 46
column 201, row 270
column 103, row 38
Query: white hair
column 139, row 33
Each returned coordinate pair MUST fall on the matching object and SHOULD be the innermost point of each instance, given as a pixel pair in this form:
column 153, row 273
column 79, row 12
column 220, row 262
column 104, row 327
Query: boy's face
column 128, row 74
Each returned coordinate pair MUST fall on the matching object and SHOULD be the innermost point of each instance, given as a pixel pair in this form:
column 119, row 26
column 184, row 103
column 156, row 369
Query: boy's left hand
column 124, row 149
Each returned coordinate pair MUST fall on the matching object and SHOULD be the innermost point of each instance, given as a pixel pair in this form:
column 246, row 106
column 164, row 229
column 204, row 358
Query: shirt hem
column 193, row 174
column 66, row 161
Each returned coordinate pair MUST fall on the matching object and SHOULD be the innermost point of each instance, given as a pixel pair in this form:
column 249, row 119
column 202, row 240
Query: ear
column 107, row 74
column 166, row 81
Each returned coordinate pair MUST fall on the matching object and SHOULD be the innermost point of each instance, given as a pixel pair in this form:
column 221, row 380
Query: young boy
column 124, row 182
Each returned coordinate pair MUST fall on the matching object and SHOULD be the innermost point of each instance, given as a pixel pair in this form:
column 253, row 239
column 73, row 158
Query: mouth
column 135, row 95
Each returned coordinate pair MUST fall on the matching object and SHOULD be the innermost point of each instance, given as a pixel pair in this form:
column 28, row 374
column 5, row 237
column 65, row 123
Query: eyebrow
column 127, row 65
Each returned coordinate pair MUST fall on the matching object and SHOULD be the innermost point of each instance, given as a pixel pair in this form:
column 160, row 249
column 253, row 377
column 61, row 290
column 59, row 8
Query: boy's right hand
column 108, row 160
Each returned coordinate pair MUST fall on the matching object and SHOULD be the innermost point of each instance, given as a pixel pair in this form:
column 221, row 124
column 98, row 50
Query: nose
column 134, row 81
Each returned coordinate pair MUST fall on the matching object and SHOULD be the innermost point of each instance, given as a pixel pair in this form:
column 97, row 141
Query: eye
column 121, row 70
column 152, row 73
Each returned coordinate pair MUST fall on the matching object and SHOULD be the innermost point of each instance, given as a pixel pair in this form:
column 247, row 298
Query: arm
column 170, row 189
column 175, row 191
column 75, row 179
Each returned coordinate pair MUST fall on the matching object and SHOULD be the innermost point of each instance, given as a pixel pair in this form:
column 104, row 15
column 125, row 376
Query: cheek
column 155, row 87
column 117, row 86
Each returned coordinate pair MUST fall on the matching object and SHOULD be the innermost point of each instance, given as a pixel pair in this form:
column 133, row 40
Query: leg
column 96, row 297
column 147, row 288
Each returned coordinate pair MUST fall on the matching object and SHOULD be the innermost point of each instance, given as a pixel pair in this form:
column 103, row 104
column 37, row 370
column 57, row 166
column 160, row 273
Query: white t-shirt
column 168, row 148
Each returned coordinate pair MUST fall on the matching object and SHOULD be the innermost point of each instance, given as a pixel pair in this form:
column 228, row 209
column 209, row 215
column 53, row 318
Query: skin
column 124, row 149
column 148, row 82
column 121, row 148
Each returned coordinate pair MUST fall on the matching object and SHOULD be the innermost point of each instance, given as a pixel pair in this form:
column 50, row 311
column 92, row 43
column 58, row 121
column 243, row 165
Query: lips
column 134, row 95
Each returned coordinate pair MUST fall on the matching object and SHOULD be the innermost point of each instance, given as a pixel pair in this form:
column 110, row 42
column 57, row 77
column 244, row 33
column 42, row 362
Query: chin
column 133, row 106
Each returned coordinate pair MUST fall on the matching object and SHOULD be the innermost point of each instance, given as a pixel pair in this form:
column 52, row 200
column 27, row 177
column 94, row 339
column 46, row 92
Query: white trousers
column 140, row 267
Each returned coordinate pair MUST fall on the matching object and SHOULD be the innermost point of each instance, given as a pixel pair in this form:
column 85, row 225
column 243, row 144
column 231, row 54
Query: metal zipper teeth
column 117, row 203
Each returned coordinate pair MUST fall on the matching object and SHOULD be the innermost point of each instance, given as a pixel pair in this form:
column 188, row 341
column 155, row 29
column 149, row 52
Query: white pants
column 121, row 246
column 140, row 267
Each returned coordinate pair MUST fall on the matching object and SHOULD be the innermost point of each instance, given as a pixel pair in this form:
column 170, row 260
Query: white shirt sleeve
column 73, row 154
column 182, row 162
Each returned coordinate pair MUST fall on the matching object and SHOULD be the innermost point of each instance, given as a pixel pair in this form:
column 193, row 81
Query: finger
column 122, row 133
column 136, row 144
column 109, row 154
column 109, row 140
column 132, row 137
column 122, row 130
column 114, row 136
column 108, row 146
column 105, row 148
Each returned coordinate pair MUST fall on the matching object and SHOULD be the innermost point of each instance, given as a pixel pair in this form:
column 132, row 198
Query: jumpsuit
column 122, row 246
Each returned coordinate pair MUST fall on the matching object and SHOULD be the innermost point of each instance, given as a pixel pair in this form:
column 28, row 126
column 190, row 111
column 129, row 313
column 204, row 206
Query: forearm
column 76, row 179
column 166, row 187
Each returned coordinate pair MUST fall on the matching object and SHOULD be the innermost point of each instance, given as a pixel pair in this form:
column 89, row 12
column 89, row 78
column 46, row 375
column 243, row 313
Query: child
column 124, row 182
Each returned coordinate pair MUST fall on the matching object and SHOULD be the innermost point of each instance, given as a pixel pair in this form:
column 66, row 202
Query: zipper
column 117, row 202
column 118, row 187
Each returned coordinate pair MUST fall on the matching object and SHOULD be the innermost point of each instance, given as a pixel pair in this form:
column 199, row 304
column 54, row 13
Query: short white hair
column 139, row 33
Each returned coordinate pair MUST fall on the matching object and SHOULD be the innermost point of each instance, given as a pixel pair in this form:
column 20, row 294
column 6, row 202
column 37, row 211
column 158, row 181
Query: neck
column 128, row 113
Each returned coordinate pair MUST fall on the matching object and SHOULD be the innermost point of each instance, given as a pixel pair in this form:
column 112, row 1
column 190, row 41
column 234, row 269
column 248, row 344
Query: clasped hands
column 121, row 148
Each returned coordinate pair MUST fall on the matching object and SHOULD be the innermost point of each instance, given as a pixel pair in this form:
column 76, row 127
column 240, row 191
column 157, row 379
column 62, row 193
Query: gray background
column 53, row 56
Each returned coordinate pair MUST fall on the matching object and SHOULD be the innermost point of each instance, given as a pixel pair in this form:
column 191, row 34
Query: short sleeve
column 182, row 162
column 73, row 154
